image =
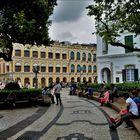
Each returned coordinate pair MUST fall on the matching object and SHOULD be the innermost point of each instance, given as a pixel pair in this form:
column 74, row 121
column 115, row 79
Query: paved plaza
column 77, row 119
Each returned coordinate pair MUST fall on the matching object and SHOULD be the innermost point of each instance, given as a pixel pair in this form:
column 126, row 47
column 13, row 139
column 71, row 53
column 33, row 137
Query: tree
column 114, row 17
column 24, row 21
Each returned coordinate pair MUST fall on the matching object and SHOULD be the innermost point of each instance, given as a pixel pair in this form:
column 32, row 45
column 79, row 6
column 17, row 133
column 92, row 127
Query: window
column 50, row 68
column 128, row 42
column 43, row 68
column 17, row 52
column 72, row 68
column 18, row 67
column 79, row 68
column 64, row 69
column 84, row 68
column 72, row 55
column 26, row 53
column 89, row 69
column 57, row 69
column 43, row 54
column 95, row 68
column 94, row 57
column 89, row 57
column 64, row 56
column 50, row 55
column 78, row 56
column 117, row 80
column 57, row 55
column 26, row 68
column 35, row 54
column 130, row 74
column 83, row 56
column 7, row 68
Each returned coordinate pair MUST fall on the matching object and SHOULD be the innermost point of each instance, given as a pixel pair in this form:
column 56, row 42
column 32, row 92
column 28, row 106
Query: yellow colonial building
column 62, row 60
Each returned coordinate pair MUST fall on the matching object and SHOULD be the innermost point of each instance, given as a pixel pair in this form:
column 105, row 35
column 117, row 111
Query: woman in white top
column 132, row 112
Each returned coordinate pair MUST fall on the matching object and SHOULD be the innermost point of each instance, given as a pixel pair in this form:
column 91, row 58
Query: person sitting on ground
column 113, row 93
column 132, row 112
column 105, row 98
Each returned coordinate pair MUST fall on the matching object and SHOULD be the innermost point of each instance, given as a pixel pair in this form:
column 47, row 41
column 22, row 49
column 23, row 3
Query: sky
column 71, row 23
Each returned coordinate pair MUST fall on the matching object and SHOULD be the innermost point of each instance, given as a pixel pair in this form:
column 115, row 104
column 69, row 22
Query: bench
column 118, row 104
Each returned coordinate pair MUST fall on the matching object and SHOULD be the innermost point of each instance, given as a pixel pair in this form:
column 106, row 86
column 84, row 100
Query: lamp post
column 36, row 71
column 81, row 69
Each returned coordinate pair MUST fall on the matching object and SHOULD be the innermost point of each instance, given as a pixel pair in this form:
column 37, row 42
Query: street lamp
column 81, row 69
column 36, row 71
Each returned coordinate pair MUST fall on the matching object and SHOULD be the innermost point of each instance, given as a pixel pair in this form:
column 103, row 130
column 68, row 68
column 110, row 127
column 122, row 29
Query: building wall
column 8, row 71
column 115, row 59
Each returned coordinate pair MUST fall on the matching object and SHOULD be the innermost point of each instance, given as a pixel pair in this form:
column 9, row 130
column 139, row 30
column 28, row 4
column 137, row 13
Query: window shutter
column 136, row 74
column 124, row 75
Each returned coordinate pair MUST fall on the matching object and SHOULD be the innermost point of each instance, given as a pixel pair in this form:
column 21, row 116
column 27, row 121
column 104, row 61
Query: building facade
column 116, row 64
column 64, row 61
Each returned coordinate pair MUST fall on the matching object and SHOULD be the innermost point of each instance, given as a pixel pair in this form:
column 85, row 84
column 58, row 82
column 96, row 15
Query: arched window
column 78, row 68
column 84, row 68
column 43, row 54
column 64, row 79
column 50, row 69
column 64, row 68
column 72, row 55
column 43, row 82
column 94, row 57
column 72, row 68
column 90, row 80
column 57, row 55
column 84, row 57
column 26, row 53
column 57, row 68
column 43, row 68
column 26, row 81
column 50, row 55
column 89, row 68
column 50, row 79
column 26, row 67
column 89, row 56
column 17, row 52
column 35, row 54
column 78, row 56
column 17, row 67
column 95, row 68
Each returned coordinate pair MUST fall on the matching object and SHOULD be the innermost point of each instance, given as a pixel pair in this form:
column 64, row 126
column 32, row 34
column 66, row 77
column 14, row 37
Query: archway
column 106, row 75
column 43, row 82
column 64, row 80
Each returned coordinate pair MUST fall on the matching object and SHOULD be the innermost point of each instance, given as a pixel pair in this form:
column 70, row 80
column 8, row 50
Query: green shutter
column 128, row 42
column 124, row 75
column 136, row 74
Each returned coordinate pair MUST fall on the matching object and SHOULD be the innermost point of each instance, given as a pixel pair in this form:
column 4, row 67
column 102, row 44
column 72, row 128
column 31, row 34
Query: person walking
column 57, row 89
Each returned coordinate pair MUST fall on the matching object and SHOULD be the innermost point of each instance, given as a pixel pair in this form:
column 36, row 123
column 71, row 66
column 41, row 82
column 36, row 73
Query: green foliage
column 114, row 17
column 122, row 87
column 25, row 22
column 21, row 94
column 12, row 86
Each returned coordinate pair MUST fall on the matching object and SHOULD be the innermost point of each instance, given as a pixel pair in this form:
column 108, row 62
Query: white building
column 116, row 64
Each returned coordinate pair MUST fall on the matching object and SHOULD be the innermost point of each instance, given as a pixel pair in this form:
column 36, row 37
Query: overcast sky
column 71, row 23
